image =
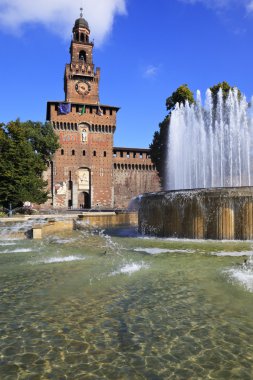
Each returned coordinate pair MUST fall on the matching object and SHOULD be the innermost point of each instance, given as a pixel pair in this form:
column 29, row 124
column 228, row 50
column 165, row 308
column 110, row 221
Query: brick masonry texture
column 87, row 171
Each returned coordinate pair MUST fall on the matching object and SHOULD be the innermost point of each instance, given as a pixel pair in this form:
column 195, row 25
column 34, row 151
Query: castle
column 88, row 171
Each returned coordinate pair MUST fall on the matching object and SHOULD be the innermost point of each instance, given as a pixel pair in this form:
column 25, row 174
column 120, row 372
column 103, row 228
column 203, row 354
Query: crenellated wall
column 133, row 174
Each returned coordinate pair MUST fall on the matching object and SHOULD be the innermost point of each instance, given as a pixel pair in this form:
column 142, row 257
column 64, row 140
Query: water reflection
column 147, row 309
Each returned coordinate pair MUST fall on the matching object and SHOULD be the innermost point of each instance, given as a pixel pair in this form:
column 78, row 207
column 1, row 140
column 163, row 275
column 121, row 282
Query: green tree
column 225, row 86
column 181, row 94
column 158, row 147
column 26, row 148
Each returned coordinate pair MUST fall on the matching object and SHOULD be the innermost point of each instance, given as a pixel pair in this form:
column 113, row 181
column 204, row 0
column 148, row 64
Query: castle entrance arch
column 84, row 185
column 84, row 200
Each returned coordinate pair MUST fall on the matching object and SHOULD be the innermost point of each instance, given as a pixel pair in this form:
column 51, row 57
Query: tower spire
column 81, row 12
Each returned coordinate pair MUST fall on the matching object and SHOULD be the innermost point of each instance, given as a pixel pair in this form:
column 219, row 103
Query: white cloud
column 250, row 6
column 59, row 15
column 150, row 71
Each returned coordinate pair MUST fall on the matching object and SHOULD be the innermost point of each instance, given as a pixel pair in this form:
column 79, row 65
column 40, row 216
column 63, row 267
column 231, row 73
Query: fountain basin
column 214, row 213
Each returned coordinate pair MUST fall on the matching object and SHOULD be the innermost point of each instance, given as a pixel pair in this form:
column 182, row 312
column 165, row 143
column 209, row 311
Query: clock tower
column 87, row 171
column 81, row 81
column 81, row 173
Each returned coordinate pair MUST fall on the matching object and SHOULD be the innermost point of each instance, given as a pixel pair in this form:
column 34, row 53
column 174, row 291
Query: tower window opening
column 82, row 56
column 82, row 37
column 73, row 152
column 111, row 112
column 62, row 152
column 84, row 152
column 104, row 154
column 121, row 154
column 94, row 153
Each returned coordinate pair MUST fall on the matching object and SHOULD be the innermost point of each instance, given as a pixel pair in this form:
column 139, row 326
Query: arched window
column 104, row 154
column 73, row 152
column 84, row 152
column 82, row 37
column 62, row 152
column 82, row 56
column 94, row 153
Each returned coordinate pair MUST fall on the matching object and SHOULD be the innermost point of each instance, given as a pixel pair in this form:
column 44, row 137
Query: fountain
column 209, row 172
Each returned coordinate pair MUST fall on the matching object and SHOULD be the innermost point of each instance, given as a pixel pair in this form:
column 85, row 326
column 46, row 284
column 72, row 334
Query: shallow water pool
column 112, row 305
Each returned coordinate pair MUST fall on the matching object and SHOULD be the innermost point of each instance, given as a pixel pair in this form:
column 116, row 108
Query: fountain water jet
column 209, row 172
column 210, row 146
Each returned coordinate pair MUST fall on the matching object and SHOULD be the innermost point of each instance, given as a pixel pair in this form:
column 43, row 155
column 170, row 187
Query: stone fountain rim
column 235, row 191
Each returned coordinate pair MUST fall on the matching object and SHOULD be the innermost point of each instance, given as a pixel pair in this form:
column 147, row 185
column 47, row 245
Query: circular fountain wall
column 210, row 160
column 219, row 213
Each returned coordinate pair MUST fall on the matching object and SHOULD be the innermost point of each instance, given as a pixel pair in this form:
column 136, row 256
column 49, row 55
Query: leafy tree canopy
column 25, row 150
column 225, row 90
column 181, row 94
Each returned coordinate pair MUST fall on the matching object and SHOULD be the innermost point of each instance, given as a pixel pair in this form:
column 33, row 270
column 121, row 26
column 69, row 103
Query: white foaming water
column 110, row 245
column 157, row 251
column 235, row 254
column 210, row 145
column 130, row 268
column 54, row 260
column 58, row 240
column 4, row 243
column 17, row 250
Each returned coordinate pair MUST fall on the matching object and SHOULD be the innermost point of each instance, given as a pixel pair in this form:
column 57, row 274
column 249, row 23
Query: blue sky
column 145, row 49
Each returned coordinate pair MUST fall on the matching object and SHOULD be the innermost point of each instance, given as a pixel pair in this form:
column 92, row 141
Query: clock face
column 82, row 88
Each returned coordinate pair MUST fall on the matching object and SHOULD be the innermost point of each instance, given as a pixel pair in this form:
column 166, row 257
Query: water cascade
column 209, row 172
column 210, row 145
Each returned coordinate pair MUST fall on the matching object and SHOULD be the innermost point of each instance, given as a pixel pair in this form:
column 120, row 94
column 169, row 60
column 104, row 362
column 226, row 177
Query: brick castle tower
column 87, row 171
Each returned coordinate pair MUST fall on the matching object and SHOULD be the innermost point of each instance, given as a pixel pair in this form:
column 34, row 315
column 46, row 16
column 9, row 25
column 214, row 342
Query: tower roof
column 81, row 22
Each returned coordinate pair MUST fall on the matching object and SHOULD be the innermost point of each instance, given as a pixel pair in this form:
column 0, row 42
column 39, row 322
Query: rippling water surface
column 107, row 306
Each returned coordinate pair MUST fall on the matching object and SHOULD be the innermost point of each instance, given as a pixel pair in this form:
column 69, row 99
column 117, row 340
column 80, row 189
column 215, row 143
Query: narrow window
column 84, row 153
column 121, row 154
column 73, row 152
column 62, row 152
column 94, row 153
column 104, row 154
column 82, row 56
